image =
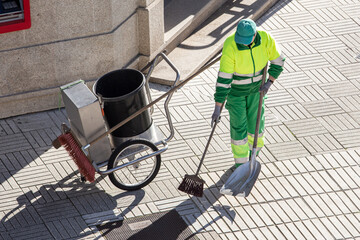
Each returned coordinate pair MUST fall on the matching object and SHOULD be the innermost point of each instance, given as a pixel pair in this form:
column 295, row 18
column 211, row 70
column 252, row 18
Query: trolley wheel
column 137, row 175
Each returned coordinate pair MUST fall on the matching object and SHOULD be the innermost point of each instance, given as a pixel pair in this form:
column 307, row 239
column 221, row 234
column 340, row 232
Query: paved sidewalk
column 309, row 186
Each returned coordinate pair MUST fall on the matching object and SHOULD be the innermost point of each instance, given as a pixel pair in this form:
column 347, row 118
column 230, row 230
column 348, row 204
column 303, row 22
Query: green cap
column 245, row 31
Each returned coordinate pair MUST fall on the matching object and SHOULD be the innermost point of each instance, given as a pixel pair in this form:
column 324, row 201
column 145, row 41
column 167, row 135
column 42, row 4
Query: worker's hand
column 216, row 115
column 265, row 88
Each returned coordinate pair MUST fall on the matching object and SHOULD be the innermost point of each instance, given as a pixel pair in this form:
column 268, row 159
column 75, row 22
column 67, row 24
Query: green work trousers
column 243, row 113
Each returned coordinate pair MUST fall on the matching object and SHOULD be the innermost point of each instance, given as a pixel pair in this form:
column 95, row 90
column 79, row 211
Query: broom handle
column 152, row 103
column 208, row 142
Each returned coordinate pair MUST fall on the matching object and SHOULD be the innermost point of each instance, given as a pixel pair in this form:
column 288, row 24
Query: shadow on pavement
column 237, row 10
column 211, row 201
column 68, row 209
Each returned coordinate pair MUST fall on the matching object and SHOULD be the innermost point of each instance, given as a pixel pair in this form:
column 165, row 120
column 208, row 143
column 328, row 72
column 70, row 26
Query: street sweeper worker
column 245, row 54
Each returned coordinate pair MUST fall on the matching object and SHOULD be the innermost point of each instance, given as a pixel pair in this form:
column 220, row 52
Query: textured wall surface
column 71, row 40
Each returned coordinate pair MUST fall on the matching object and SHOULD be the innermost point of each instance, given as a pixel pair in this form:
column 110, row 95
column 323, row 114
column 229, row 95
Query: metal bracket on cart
column 136, row 161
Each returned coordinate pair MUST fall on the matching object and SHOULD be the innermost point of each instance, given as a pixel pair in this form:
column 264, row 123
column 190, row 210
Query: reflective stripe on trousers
column 241, row 149
column 243, row 113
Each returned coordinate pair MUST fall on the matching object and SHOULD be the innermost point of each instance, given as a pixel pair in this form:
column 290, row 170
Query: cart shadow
column 38, row 207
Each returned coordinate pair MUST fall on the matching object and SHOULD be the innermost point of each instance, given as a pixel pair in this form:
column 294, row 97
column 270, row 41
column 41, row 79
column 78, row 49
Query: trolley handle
column 166, row 104
column 172, row 90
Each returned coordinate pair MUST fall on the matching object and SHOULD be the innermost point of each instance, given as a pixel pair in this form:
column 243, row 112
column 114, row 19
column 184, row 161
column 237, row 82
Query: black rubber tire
column 114, row 176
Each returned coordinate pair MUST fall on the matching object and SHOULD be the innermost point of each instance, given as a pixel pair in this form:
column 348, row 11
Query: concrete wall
column 71, row 40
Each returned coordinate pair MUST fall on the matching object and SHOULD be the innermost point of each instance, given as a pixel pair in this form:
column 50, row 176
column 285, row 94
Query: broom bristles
column 192, row 185
column 74, row 150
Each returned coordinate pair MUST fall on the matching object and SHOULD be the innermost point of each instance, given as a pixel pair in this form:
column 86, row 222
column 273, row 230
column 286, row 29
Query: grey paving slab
column 294, row 80
column 310, row 5
column 338, row 122
column 337, row 26
column 325, row 75
column 13, row 142
column 279, row 98
column 313, row 31
column 33, row 176
column 321, row 143
column 32, row 122
column 323, row 107
column 177, row 149
column 349, row 138
column 306, row 127
column 286, row 150
column 351, row 71
column 351, row 39
column 299, row 18
column 33, row 232
column 57, row 210
column 355, row 116
column 310, row 61
column 326, row 44
column 339, row 89
column 308, row 187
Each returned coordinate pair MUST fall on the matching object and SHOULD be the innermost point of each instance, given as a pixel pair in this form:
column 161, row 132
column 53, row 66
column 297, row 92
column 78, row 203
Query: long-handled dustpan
column 242, row 180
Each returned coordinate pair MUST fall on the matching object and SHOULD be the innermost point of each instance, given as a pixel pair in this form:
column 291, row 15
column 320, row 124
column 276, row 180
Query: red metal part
column 17, row 25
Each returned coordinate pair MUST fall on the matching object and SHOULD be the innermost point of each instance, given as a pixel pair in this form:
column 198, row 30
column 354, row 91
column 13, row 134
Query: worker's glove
column 216, row 115
column 265, row 88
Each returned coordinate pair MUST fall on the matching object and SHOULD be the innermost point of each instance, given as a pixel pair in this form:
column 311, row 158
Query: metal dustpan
column 242, row 180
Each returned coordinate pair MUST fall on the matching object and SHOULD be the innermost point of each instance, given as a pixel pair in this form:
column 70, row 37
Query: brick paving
column 309, row 185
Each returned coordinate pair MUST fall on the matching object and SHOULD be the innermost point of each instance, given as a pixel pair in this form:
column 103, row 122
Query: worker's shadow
column 212, row 195
column 69, row 194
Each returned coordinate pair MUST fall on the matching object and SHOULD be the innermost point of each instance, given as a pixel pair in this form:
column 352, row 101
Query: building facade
column 69, row 40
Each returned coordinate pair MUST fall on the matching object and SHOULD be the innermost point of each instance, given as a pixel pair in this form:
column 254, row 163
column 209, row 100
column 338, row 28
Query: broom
column 72, row 146
column 86, row 169
column 192, row 184
column 76, row 152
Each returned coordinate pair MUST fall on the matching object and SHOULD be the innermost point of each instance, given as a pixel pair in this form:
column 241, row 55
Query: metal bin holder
column 85, row 118
column 130, row 151
column 121, row 93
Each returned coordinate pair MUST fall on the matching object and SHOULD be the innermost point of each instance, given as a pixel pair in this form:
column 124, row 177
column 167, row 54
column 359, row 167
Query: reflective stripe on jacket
column 241, row 66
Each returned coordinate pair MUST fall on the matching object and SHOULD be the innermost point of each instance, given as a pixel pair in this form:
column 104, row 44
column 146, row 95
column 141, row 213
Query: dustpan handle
column 259, row 111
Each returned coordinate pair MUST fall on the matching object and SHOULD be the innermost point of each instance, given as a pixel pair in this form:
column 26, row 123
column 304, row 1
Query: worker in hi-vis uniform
column 244, row 56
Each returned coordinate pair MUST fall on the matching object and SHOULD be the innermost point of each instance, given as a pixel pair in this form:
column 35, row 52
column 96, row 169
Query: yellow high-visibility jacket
column 241, row 66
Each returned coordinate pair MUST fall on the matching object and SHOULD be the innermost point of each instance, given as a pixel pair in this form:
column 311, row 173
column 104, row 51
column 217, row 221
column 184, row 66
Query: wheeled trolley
column 130, row 152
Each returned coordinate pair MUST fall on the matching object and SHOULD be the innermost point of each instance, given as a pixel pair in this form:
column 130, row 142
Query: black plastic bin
column 123, row 93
